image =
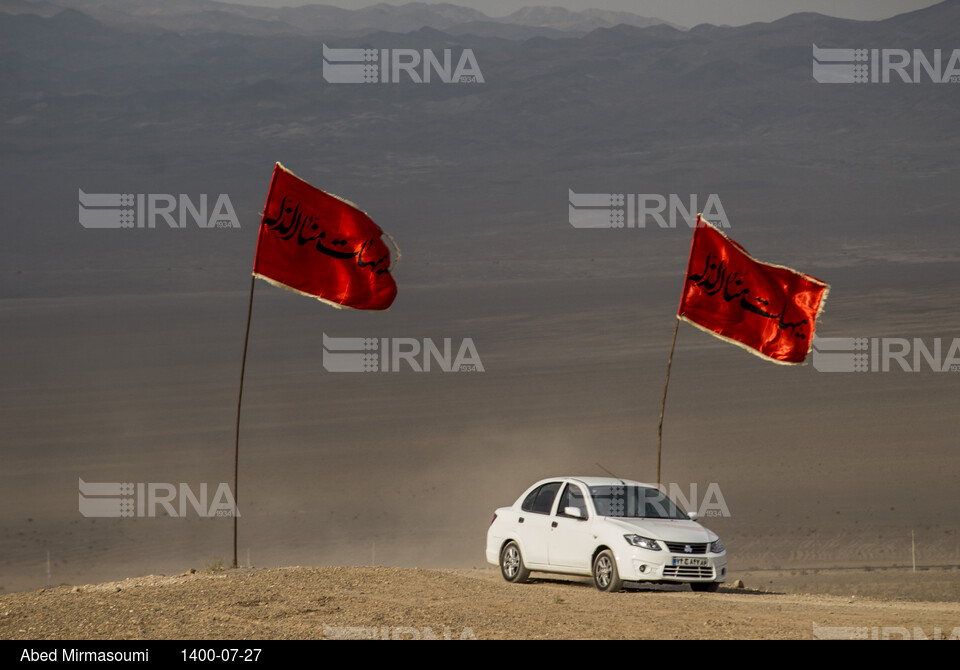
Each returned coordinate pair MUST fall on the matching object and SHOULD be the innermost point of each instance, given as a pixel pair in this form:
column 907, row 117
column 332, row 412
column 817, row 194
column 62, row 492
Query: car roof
column 601, row 481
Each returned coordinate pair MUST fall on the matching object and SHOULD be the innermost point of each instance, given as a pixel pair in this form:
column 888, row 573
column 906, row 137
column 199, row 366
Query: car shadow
column 643, row 587
column 569, row 581
column 685, row 588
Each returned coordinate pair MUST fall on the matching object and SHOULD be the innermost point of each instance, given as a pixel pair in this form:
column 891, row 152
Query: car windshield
column 634, row 502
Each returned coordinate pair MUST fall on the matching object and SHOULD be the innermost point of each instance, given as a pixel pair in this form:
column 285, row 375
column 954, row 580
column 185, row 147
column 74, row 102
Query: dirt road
column 312, row 603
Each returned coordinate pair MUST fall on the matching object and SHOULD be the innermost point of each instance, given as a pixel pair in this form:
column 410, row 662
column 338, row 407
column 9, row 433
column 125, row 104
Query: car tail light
column 493, row 519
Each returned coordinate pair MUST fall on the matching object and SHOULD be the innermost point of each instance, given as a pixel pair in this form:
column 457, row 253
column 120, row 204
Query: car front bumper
column 644, row 565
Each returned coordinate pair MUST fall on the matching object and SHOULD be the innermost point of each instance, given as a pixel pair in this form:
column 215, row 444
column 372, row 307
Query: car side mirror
column 575, row 512
column 693, row 516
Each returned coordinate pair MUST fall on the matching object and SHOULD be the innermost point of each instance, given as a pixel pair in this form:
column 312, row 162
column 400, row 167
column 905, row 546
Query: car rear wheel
column 710, row 587
column 511, row 564
column 605, row 574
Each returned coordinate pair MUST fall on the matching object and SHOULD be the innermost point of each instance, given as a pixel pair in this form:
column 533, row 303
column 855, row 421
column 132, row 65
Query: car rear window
column 540, row 500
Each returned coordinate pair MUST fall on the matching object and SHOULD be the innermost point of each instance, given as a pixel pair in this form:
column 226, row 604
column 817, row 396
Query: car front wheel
column 511, row 564
column 605, row 575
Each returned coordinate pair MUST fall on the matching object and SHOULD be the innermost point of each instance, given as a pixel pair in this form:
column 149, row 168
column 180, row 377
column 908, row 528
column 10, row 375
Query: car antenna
column 610, row 473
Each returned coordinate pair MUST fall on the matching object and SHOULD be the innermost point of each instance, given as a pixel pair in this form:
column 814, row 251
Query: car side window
column 540, row 500
column 531, row 498
column 572, row 497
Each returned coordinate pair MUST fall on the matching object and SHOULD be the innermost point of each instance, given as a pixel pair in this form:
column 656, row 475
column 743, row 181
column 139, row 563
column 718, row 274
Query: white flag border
column 755, row 352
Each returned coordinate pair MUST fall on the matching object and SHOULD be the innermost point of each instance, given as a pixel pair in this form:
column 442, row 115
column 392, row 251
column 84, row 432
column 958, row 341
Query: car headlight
column 716, row 547
column 642, row 542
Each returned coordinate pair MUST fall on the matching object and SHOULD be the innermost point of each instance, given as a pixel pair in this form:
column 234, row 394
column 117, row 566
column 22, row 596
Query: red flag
column 769, row 310
column 319, row 245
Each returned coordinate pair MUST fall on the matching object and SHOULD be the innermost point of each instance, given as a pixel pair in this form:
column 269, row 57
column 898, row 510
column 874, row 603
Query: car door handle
column 553, row 525
column 520, row 520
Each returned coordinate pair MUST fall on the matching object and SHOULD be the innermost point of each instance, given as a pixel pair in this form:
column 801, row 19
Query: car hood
column 668, row 530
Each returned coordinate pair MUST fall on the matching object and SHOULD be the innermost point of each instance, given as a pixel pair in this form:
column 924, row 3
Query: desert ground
column 393, row 603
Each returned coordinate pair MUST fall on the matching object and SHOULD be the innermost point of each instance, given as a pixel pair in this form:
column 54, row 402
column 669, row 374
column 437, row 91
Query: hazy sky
column 684, row 12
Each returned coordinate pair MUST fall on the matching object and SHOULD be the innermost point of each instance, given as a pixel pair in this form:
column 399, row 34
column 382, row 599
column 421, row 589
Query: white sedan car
column 611, row 529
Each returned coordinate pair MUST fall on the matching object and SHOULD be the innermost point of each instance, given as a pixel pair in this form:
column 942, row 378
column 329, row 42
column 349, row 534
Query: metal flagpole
column 663, row 402
column 236, row 446
column 673, row 343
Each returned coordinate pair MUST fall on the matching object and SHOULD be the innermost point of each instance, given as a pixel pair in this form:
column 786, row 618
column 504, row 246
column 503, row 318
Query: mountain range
column 212, row 16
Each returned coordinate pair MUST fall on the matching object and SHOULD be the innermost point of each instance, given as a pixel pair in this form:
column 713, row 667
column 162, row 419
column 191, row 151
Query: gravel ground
column 313, row 603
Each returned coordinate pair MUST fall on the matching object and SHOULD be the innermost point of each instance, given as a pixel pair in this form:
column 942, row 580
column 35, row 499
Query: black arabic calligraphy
column 717, row 277
column 293, row 222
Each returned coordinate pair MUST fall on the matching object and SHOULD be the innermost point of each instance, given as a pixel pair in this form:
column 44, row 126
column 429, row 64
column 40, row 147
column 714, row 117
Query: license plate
column 685, row 561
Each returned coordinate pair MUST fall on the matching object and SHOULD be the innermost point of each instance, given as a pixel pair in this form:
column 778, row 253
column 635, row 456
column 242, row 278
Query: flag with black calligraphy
column 770, row 310
column 319, row 245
